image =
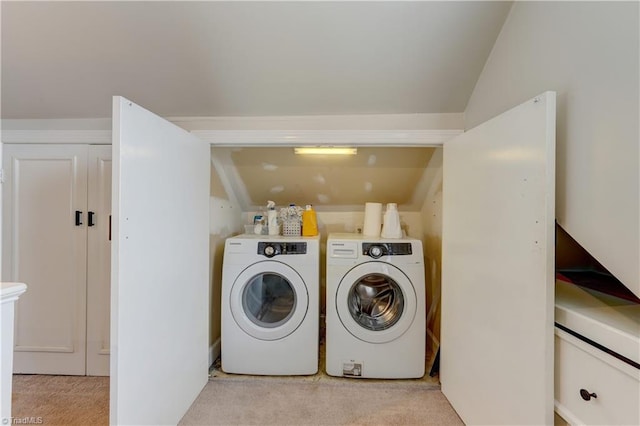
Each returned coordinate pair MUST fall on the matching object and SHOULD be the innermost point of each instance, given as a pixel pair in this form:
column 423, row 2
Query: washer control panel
column 377, row 250
column 274, row 248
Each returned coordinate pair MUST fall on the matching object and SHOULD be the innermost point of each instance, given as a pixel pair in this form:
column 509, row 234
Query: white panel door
column 43, row 246
column 160, row 268
column 98, row 260
column 498, row 267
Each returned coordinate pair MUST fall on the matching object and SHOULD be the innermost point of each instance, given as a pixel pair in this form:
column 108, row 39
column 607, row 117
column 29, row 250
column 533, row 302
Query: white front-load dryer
column 270, row 304
column 376, row 305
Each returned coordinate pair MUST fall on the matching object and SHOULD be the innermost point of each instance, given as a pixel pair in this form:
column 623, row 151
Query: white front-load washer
column 270, row 305
column 376, row 305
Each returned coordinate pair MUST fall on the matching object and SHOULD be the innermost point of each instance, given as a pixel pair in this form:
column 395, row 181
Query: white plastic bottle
column 391, row 223
column 272, row 219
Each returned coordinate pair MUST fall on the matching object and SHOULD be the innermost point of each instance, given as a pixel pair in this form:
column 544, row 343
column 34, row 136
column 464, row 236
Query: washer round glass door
column 376, row 302
column 269, row 300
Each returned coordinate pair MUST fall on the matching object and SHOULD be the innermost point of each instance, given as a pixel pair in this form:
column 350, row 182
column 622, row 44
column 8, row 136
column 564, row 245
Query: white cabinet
column 597, row 357
column 53, row 242
column 9, row 294
column 593, row 387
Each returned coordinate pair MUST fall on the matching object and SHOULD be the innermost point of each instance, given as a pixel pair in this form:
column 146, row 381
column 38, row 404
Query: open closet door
column 498, row 267
column 160, row 268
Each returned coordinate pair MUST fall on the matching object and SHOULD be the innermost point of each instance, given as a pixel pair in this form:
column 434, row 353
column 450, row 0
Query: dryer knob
column 269, row 251
column 375, row 252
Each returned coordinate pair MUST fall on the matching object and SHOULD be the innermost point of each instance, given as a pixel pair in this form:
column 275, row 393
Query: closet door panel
column 45, row 246
column 160, row 267
column 497, row 267
column 99, row 260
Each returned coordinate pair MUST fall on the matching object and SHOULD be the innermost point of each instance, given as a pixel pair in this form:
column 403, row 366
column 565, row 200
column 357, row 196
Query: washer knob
column 375, row 252
column 269, row 251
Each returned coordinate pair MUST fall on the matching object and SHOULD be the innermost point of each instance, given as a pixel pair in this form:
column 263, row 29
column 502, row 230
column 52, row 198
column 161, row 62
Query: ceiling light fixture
column 329, row 150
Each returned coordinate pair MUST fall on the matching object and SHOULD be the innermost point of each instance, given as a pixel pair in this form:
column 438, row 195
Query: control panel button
column 269, row 251
column 375, row 252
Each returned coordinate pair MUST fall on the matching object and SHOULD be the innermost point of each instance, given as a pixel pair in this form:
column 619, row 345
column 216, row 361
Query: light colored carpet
column 249, row 400
column 60, row 400
column 319, row 400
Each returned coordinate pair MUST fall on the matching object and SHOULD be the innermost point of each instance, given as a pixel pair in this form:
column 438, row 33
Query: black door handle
column 78, row 218
column 91, row 222
column 586, row 395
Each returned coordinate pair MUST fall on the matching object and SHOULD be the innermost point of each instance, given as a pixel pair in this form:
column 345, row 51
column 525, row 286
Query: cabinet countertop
column 607, row 320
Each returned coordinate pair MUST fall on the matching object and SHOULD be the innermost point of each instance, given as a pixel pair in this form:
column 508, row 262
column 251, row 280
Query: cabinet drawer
column 616, row 384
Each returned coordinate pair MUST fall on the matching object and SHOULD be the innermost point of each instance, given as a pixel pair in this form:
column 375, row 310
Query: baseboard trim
column 214, row 351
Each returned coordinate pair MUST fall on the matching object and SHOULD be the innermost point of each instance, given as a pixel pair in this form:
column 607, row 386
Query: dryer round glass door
column 376, row 302
column 269, row 300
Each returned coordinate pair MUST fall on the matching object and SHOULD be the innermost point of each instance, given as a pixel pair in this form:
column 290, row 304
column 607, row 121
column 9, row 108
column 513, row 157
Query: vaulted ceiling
column 194, row 59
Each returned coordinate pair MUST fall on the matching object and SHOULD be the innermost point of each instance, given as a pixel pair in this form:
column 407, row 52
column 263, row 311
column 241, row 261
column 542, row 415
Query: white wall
column 225, row 220
column 431, row 216
column 588, row 52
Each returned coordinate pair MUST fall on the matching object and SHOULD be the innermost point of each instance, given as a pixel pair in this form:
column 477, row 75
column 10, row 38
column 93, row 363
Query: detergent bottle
column 309, row 222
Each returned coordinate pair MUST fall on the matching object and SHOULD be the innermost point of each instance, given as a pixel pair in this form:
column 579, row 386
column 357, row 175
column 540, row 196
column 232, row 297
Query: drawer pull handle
column 586, row 395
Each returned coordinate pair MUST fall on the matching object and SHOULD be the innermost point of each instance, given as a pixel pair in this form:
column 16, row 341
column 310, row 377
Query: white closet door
column 98, row 260
column 43, row 246
column 160, row 268
column 498, row 267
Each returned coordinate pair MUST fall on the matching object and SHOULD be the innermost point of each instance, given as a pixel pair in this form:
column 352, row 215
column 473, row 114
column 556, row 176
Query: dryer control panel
column 377, row 250
column 274, row 248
